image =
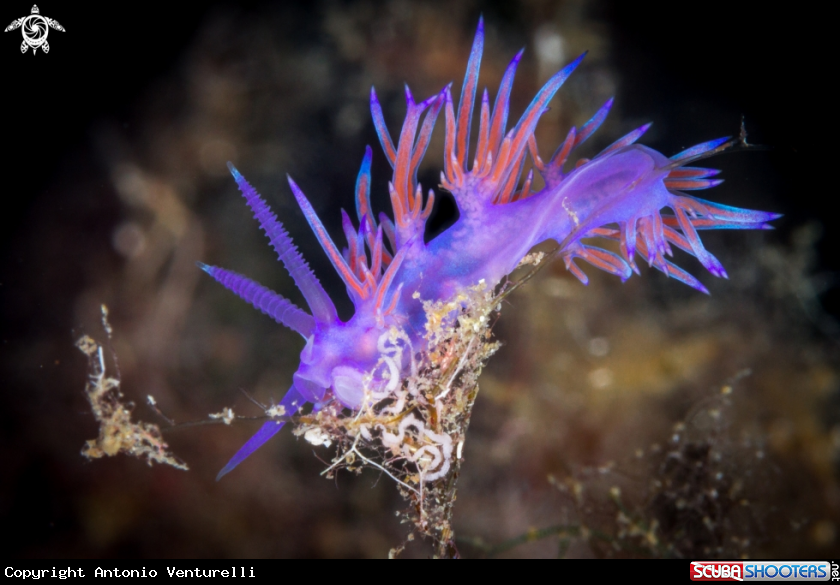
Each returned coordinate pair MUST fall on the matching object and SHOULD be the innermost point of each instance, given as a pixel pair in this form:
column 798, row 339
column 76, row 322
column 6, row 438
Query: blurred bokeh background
column 716, row 419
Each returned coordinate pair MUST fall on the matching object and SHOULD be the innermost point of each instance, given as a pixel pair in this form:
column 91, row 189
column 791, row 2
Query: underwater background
column 642, row 419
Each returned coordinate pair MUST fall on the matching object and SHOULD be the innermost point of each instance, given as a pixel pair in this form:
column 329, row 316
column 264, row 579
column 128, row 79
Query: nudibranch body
column 389, row 270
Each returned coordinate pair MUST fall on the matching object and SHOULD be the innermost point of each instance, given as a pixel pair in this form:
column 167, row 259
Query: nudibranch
column 628, row 193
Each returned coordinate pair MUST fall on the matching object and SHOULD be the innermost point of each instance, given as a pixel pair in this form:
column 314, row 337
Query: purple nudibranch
column 388, row 269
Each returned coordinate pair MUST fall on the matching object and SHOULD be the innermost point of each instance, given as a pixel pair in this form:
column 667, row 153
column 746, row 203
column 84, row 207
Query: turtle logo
column 35, row 29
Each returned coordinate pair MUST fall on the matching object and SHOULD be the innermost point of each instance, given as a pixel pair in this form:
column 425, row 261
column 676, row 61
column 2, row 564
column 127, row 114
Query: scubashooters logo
column 761, row 571
column 35, row 29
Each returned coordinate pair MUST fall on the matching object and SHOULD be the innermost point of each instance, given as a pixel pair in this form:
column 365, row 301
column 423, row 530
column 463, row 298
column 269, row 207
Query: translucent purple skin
column 620, row 195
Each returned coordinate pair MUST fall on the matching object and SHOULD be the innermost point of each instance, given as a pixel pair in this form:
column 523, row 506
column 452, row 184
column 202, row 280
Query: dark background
column 730, row 56
column 694, row 71
column 677, row 66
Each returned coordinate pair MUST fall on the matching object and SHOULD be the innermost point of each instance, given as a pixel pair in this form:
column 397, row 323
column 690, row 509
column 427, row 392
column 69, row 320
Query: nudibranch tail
column 651, row 233
column 703, row 150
